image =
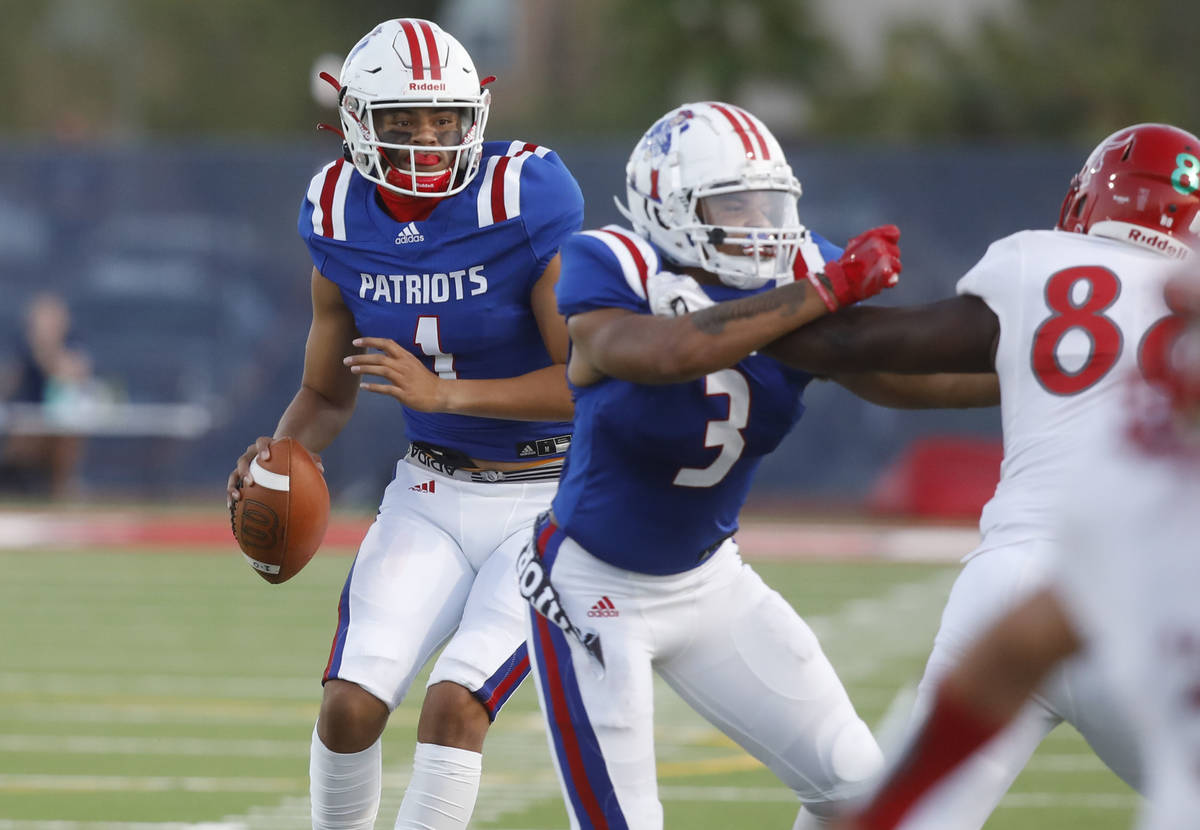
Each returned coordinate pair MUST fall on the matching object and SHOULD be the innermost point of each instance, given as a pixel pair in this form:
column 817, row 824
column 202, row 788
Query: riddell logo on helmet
column 1160, row 243
column 426, row 86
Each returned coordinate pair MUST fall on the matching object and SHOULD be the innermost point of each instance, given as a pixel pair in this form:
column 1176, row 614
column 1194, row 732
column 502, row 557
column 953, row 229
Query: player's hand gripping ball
column 280, row 518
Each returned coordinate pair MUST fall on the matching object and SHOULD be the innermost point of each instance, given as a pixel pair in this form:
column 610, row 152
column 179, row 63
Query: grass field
column 177, row 688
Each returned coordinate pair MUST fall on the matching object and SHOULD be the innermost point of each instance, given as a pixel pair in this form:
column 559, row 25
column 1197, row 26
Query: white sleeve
column 997, row 277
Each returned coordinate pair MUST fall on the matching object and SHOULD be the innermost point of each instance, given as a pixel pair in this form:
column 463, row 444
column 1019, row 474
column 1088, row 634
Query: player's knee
column 452, row 716
column 351, row 718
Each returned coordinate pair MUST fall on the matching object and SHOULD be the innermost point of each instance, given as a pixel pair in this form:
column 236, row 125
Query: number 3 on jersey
column 1107, row 341
column 725, row 433
column 429, row 340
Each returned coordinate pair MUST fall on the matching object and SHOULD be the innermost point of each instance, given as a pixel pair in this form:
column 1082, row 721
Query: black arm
column 954, row 335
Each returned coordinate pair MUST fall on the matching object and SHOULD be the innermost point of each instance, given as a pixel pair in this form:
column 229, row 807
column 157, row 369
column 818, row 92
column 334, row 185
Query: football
column 281, row 517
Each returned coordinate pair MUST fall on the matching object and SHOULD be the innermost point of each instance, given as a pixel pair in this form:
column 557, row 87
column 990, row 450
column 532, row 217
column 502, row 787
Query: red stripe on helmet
column 435, row 62
column 331, row 179
column 738, row 128
column 498, row 212
column 753, row 127
column 654, row 184
column 414, row 50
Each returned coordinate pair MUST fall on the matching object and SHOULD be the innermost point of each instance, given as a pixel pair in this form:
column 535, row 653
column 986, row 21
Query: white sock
column 344, row 788
column 442, row 792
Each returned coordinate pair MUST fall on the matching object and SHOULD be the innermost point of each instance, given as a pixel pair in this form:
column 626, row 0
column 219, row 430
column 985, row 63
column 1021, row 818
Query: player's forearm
column 688, row 347
column 937, row 391
column 955, row 335
column 541, row 395
column 314, row 419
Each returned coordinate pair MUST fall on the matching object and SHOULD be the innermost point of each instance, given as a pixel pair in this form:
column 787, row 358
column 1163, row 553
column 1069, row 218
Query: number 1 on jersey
column 429, row 340
column 726, row 434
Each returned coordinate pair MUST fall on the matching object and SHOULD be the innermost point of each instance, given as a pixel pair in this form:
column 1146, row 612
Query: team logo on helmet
column 658, row 138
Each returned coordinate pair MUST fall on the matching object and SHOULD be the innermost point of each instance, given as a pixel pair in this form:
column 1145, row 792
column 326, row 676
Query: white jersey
column 1075, row 312
column 1129, row 576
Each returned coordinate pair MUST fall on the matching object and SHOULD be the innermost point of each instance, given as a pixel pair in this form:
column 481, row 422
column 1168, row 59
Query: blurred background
column 155, row 153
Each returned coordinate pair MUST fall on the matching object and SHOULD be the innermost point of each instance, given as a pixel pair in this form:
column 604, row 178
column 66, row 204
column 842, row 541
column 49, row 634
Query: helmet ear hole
column 1079, row 206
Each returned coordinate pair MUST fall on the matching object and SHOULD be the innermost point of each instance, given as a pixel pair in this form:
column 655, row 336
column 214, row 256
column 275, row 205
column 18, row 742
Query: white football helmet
column 705, row 150
column 411, row 63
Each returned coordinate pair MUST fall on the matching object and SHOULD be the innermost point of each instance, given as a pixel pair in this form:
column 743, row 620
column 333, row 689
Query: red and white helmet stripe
column 422, row 48
column 748, row 130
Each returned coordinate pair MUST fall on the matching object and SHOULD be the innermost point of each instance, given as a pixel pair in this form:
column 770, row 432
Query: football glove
column 869, row 264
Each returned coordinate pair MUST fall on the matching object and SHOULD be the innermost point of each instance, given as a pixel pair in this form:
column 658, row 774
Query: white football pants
column 1078, row 692
column 732, row 647
column 438, row 561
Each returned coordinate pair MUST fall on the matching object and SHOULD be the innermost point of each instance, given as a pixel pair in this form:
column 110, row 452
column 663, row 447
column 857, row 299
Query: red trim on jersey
column 498, row 212
column 753, row 127
column 414, row 49
column 638, row 260
column 528, row 148
column 510, row 680
column 435, row 62
column 331, row 178
column 566, row 729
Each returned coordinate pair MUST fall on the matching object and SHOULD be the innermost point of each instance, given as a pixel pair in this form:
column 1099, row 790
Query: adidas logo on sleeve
column 409, row 234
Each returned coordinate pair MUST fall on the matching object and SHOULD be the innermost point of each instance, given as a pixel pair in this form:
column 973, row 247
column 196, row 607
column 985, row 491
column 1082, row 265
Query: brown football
column 281, row 517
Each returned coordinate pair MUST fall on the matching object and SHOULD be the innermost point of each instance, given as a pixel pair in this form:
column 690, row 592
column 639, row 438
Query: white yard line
column 120, row 745
column 152, row 683
column 152, row 783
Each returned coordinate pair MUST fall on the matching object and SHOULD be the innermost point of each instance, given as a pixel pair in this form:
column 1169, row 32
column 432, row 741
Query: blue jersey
column 454, row 288
column 657, row 475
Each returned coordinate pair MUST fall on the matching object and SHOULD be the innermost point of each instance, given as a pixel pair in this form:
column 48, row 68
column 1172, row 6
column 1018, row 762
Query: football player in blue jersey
column 635, row 569
column 435, row 257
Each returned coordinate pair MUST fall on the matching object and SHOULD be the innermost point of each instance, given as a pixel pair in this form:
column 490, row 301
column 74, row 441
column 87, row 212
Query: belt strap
column 441, row 460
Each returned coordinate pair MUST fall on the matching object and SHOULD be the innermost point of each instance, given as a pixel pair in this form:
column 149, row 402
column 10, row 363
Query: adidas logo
column 424, row 487
column 604, row 608
column 527, row 450
column 409, row 234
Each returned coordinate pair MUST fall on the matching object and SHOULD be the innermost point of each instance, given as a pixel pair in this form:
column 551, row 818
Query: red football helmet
column 1141, row 185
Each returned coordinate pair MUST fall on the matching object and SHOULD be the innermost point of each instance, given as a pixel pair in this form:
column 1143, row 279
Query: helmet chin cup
column 426, row 184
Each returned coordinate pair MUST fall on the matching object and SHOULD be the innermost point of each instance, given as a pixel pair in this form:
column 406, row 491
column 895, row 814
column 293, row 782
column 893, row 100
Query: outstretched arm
column 944, row 390
column 618, row 343
column 954, row 335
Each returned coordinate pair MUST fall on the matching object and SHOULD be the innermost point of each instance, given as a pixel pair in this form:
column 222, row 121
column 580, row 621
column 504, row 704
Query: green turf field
column 144, row 688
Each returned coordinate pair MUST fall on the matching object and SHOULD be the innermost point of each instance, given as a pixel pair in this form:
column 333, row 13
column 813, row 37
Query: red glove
column 870, row 263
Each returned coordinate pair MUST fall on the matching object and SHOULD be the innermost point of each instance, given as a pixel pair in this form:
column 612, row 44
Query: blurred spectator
column 49, row 370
